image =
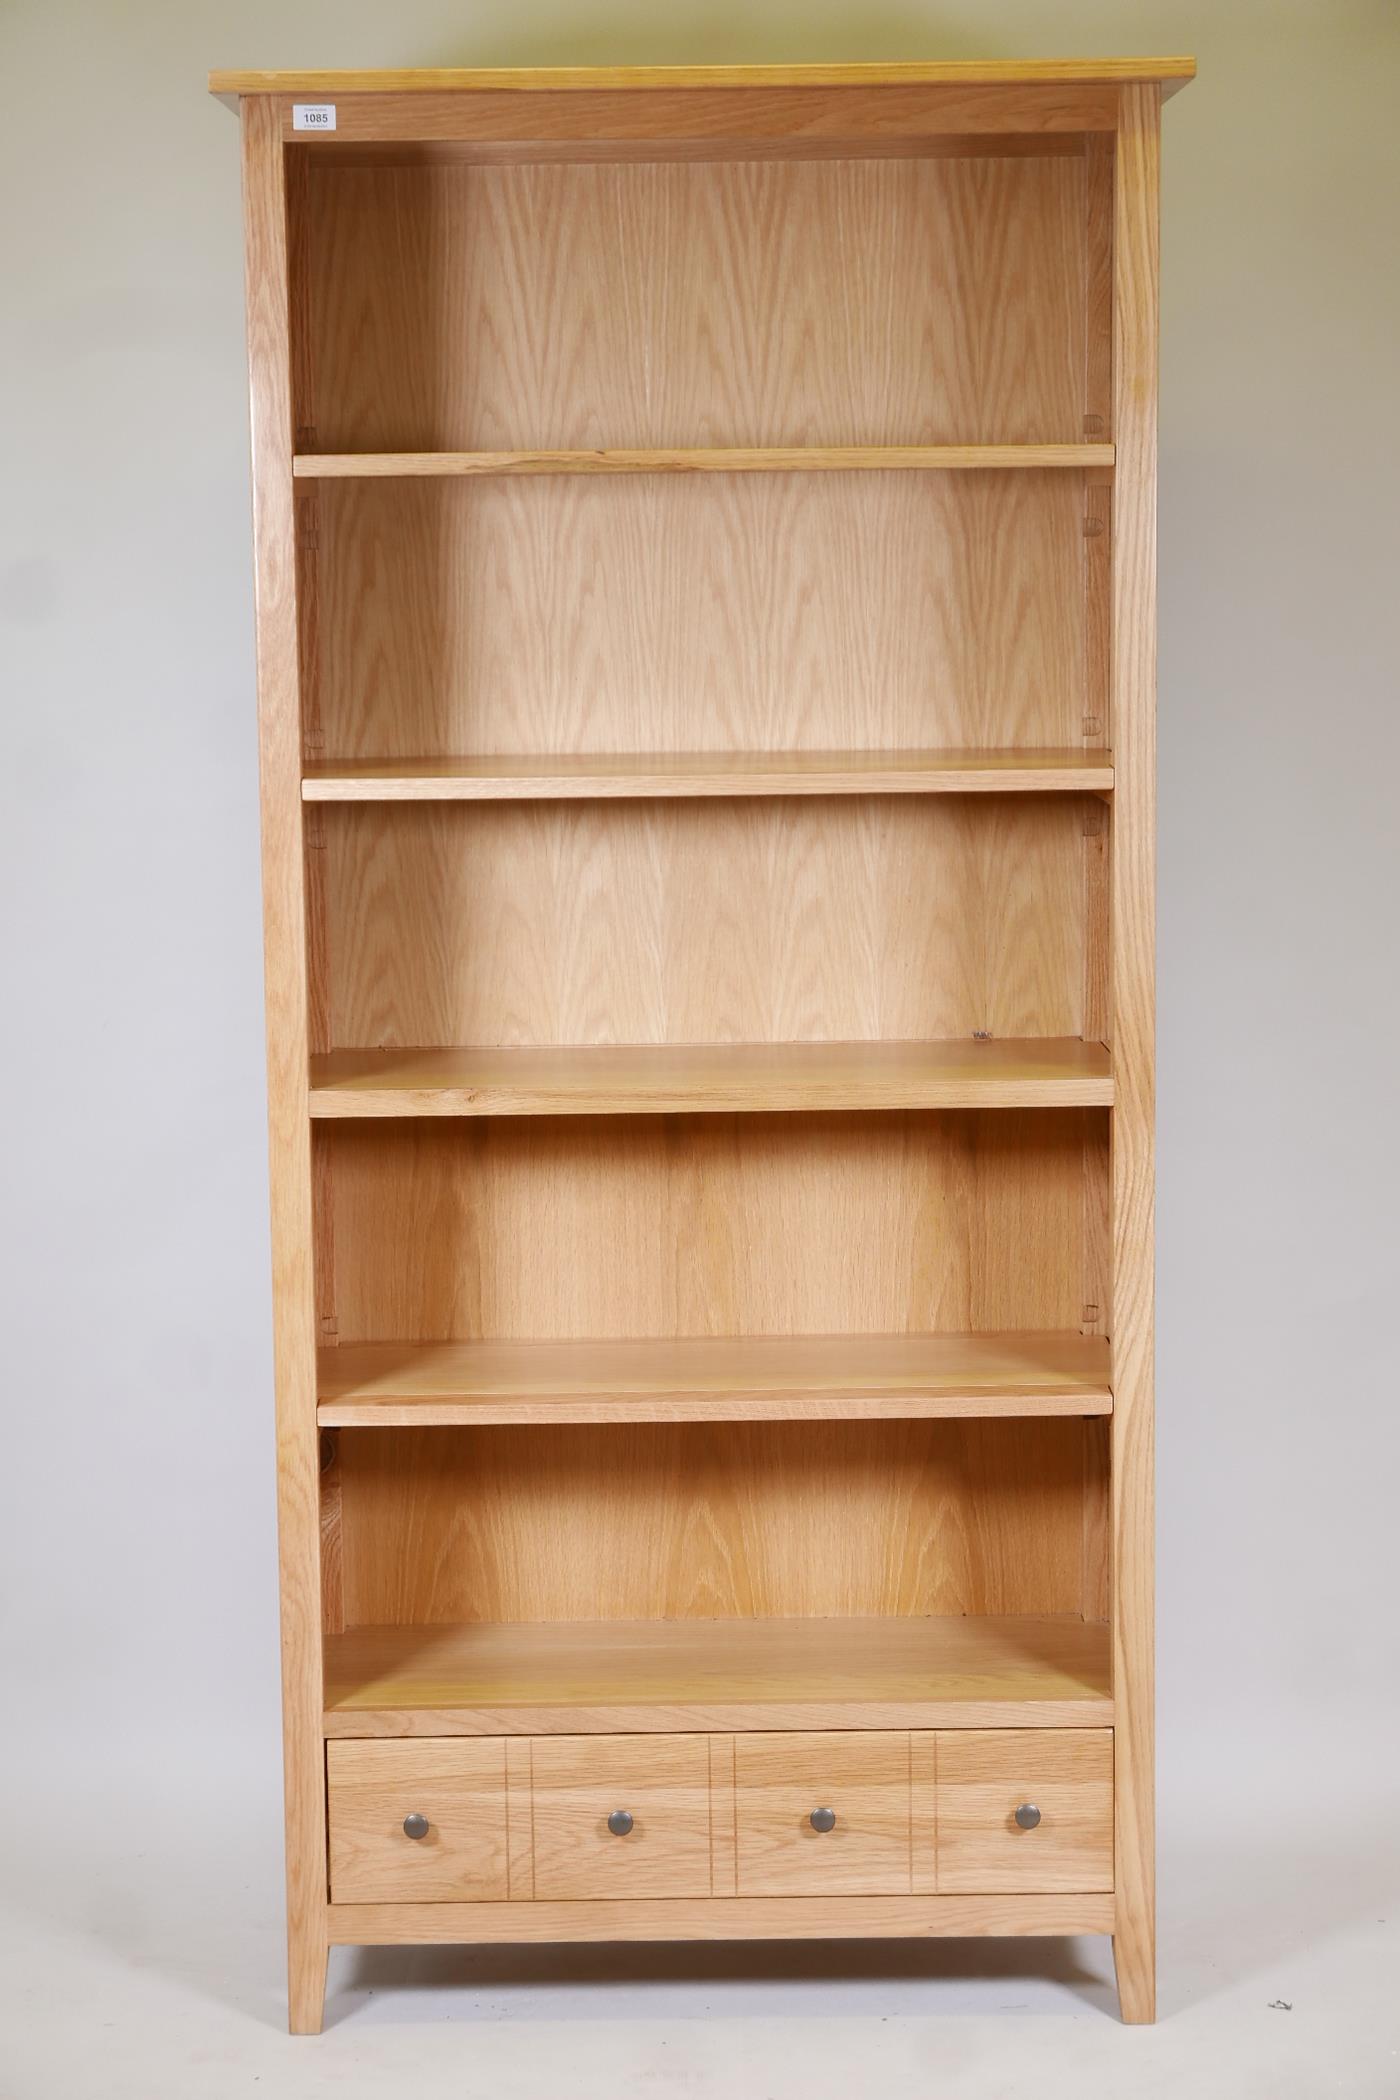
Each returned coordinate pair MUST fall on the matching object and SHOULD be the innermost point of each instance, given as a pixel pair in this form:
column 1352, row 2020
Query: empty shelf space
column 825, row 1377
column 664, row 1674
column 679, row 1079
column 648, row 774
column 751, row 459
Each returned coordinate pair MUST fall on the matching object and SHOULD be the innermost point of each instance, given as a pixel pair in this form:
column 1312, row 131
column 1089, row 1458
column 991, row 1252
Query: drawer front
column 985, row 1775
column 856, row 1782
column 660, row 1782
column 458, row 1788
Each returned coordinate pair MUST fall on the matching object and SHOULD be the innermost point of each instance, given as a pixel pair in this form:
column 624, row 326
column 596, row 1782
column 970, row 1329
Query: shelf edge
column 405, row 1413
column 766, row 459
column 721, row 1716
column 766, row 782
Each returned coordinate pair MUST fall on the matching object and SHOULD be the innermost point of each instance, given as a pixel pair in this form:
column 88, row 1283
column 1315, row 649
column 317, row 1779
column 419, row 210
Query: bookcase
column 705, row 627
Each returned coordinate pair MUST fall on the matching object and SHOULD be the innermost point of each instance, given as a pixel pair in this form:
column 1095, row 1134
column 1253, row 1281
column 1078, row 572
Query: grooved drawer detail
column 821, row 1813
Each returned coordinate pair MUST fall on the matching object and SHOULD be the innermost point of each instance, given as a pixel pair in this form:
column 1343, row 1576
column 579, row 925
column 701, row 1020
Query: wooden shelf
column 614, row 775
column 681, row 1079
column 749, row 459
column 828, row 1377
column 696, row 1674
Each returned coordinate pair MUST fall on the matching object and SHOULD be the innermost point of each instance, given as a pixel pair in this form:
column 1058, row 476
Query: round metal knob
column 415, row 1826
column 1027, row 1816
column 823, row 1819
column 619, row 1822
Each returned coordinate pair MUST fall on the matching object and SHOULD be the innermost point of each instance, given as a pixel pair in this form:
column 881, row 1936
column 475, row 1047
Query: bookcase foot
column 306, row 1984
column 1135, row 1966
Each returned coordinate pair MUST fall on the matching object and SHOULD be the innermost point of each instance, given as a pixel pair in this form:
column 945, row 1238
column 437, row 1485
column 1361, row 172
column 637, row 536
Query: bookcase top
column 996, row 72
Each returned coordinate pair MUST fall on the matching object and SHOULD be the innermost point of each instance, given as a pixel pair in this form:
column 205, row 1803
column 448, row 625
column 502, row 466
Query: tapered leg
column 306, row 1982
column 1135, row 1965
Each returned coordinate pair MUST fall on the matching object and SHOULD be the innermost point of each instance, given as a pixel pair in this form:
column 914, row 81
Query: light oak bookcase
column 704, row 535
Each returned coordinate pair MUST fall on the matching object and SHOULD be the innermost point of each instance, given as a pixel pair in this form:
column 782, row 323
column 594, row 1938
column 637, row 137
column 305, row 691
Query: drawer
column 985, row 1775
column 859, row 1780
column 458, row 1788
column 659, row 1783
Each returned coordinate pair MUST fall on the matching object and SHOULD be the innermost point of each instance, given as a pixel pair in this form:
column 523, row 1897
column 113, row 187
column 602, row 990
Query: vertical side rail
column 289, row 1126
column 1094, row 1310
column 1132, row 944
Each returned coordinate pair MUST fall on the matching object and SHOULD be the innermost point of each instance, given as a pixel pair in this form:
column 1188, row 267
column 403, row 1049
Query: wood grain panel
column 520, row 1835
column 1094, row 928
column 661, row 1781
column 744, row 1520
column 332, row 1601
column 722, row 1813
column 729, row 121
column 923, row 1811
column 505, row 153
column 687, row 1675
column 699, row 922
column 698, row 612
column 984, row 1776
column 1097, row 1483
column 909, row 302
column 541, row 1229
column 459, row 1786
column 862, row 1776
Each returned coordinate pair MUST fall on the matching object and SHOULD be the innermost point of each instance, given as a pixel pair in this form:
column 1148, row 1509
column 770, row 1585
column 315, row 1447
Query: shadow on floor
column 632, row 1977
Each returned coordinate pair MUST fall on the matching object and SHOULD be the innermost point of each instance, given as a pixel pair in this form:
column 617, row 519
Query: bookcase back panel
column 551, row 1228
column 699, row 612
column 749, row 303
column 736, row 1521
column 726, row 921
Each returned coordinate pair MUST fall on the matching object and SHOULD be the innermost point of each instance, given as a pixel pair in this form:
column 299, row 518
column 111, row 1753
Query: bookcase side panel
column 1134, row 643
column 285, row 951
